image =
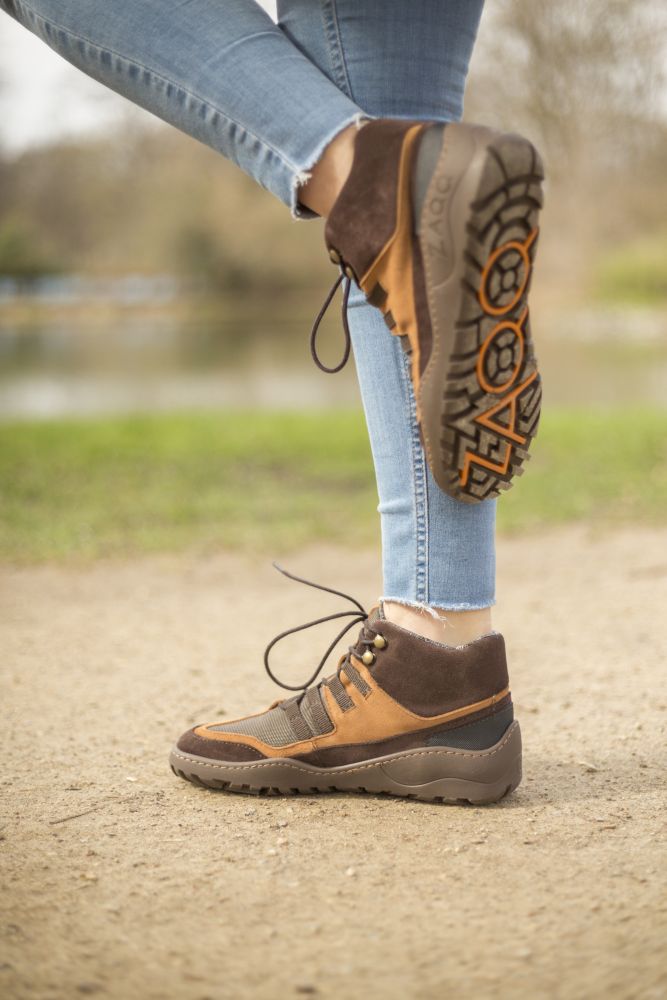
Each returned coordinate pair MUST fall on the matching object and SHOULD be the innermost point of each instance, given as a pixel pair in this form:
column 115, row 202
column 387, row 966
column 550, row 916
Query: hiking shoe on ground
column 401, row 715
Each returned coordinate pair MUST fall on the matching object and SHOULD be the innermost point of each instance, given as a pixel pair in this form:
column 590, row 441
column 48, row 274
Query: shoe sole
column 477, row 195
column 430, row 774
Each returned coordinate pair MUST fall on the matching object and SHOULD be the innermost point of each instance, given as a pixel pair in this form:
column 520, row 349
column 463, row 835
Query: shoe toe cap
column 193, row 742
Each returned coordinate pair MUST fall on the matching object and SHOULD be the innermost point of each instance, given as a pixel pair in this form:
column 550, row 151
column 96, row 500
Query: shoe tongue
column 375, row 614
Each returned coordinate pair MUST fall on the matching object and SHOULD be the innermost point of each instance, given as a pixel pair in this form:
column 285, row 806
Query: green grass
column 275, row 481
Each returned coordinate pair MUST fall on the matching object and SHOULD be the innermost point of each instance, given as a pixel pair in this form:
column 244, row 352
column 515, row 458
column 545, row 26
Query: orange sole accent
column 509, row 401
column 522, row 249
column 472, row 458
column 517, row 330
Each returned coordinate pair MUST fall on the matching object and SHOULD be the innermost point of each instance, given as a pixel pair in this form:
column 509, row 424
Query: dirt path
column 120, row 880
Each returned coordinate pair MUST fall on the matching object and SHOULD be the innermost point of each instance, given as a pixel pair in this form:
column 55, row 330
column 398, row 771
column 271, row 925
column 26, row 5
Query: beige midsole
column 452, row 189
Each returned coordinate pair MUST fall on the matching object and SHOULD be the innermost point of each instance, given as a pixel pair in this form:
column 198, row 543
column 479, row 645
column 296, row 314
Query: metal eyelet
column 380, row 642
column 368, row 658
column 334, row 256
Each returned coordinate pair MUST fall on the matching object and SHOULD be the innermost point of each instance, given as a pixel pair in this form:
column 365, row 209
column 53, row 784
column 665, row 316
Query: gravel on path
column 119, row 880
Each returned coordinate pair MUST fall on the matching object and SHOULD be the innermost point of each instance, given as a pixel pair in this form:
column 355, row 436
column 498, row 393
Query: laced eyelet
column 368, row 658
column 380, row 642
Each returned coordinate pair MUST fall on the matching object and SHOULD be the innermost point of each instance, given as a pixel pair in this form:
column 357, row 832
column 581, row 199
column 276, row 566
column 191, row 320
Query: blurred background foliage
column 584, row 81
column 238, row 282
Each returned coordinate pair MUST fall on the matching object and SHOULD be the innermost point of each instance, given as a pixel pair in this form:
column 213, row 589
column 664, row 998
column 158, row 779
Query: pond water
column 85, row 355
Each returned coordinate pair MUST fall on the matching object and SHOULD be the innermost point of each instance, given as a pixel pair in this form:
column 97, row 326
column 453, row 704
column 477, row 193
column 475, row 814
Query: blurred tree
column 22, row 255
column 154, row 200
column 584, row 80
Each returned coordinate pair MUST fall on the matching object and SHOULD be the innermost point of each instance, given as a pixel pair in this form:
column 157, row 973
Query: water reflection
column 83, row 347
column 73, row 289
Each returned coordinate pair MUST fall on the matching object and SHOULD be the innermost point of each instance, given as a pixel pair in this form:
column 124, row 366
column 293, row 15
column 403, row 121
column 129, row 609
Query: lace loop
column 342, row 277
column 359, row 615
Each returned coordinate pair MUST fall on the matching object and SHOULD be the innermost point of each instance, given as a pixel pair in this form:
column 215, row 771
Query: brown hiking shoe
column 438, row 225
column 402, row 715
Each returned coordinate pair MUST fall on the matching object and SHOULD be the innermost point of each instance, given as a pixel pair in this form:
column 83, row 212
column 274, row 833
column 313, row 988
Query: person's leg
column 223, row 73
column 279, row 100
column 271, row 98
column 402, row 714
column 437, row 551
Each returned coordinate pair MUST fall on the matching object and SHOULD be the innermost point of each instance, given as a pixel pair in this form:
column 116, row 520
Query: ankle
column 454, row 628
column 330, row 172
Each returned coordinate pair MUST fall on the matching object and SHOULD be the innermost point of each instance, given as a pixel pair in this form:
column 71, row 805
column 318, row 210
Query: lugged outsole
column 428, row 774
column 485, row 374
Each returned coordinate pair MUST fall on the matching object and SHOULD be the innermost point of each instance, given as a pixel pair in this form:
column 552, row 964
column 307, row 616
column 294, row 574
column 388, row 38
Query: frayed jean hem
column 297, row 208
column 440, row 605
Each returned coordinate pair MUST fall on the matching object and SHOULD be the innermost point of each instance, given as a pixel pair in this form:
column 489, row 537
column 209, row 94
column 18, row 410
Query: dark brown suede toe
column 200, row 746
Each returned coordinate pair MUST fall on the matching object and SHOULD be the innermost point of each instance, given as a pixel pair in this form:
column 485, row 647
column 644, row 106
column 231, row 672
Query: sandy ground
column 120, row 880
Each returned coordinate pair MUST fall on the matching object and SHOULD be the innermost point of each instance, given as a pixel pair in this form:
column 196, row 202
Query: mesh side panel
column 315, row 714
column 475, row 735
column 273, row 727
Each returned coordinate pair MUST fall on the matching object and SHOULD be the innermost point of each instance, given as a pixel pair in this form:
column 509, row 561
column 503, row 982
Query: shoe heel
column 475, row 776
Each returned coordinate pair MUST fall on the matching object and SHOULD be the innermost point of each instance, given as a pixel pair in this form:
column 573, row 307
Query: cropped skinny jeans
column 271, row 97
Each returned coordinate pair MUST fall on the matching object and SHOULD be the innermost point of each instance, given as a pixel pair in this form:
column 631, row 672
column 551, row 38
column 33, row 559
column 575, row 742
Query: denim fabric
column 220, row 70
column 435, row 550
column 271, row 97
column 404, row 60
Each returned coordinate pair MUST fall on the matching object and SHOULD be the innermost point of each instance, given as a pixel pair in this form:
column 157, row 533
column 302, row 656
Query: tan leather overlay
column 393, row 267
column 375, row 716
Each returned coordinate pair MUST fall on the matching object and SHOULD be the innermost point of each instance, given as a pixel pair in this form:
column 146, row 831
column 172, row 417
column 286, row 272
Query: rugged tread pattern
column 217, row 784
column 491, row 399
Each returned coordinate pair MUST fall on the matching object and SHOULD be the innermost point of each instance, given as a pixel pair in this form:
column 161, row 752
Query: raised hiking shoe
column 402, row 715
column 437, row 223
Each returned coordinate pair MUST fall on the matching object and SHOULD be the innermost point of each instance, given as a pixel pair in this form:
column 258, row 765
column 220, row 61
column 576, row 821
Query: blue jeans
column 271, row 97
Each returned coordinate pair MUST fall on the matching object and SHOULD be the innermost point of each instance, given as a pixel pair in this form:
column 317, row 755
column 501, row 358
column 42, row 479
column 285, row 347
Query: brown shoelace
column 342, row 278
column 358, row 616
